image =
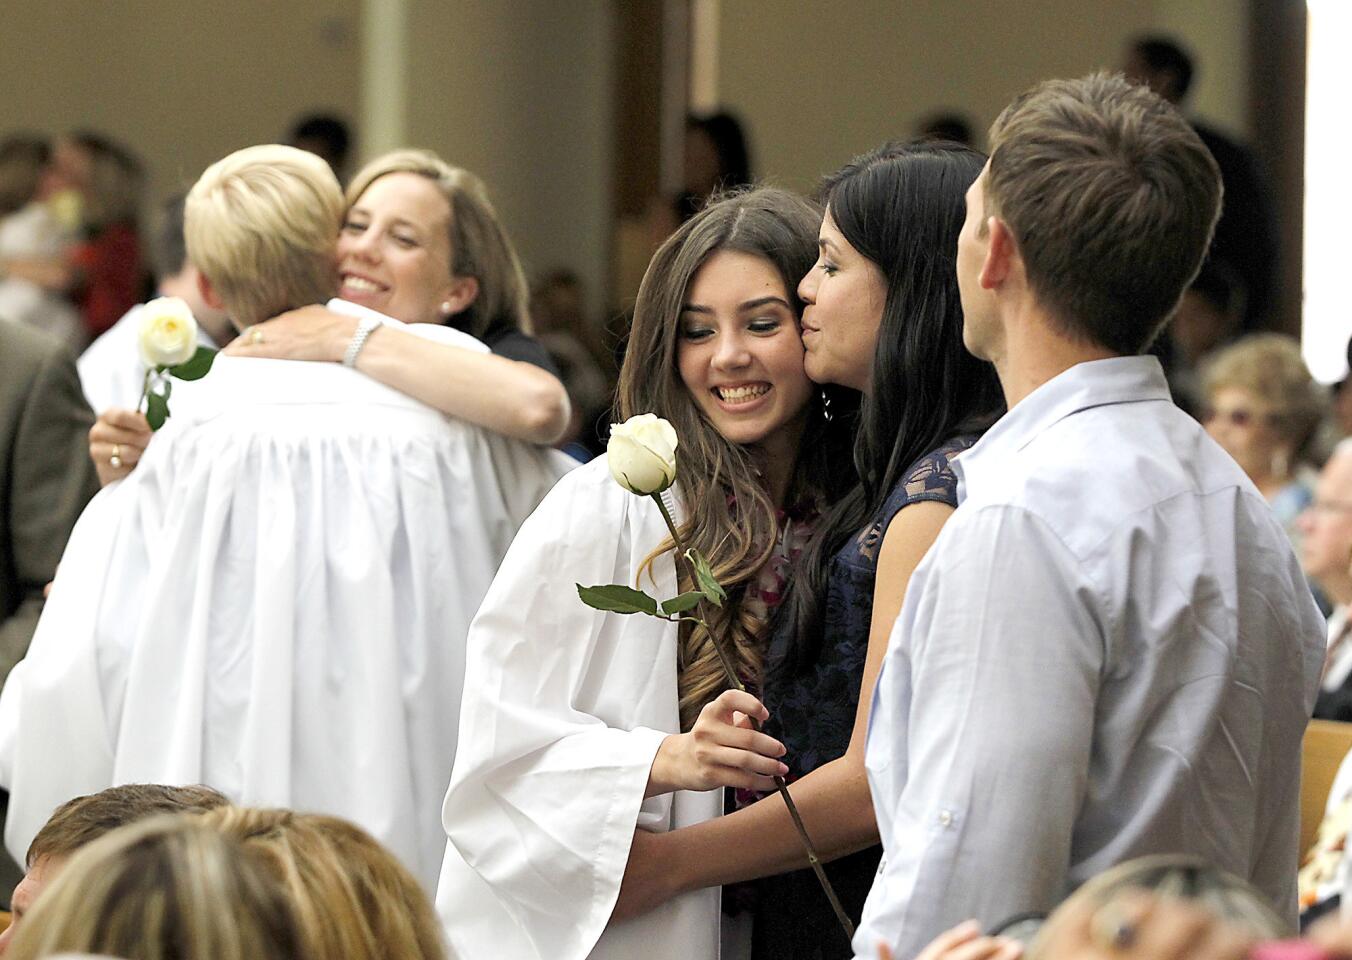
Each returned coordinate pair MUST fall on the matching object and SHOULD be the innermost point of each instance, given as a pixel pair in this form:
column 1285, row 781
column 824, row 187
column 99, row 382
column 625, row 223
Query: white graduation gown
column 563, row 713
column 274, row 603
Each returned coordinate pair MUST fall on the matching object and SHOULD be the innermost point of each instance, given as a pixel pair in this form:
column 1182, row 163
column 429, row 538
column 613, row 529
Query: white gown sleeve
column 564, row 710
column 58, row 688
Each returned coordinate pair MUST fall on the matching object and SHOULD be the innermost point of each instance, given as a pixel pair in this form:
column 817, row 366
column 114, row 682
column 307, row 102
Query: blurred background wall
column 572, row 110
column 822, row 83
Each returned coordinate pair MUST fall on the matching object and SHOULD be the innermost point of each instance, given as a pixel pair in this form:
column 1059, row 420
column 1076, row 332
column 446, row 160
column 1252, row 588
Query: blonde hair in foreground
column 480, row 247
column 168, row 888
column 262, row 225
column 352, row 899
column 1179, row 877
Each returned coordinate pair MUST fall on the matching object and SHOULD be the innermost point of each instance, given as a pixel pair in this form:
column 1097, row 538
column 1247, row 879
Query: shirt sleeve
column 989, row 690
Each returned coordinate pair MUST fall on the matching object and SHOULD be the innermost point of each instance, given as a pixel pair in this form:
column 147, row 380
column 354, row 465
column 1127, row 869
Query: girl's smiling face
column 740, row 353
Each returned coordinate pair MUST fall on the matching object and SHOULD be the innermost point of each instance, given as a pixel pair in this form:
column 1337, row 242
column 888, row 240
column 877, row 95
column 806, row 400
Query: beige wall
column 1217, row 33
column 516, row 90
column 181, row 82
column 519, row 91
column 820, row 83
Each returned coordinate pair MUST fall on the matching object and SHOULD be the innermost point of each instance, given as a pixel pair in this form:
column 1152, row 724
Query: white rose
column 642, row 454
column 168, row 333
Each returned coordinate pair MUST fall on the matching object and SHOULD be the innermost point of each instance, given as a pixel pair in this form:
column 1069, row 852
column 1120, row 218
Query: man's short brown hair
column 1112, row 199
column 85, row 819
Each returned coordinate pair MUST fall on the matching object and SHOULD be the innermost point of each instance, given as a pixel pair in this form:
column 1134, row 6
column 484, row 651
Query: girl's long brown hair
column 729, row 516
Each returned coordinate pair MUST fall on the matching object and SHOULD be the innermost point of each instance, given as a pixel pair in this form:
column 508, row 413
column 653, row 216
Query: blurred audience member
column 945, row 125
column 1205, row 320
column 33, row 243
column 170, row 888
column 111, row 370
column 353, row 900
column 558, row 305
column 104, row 272
column 45, row 482
column 1222, row 897
column 83, row 820
column 325, row 136
column 45, row 476
column 1152, row 897
column 716, row 158
column 1323, row 868
column 1264, row 408
column 1326, row 528
column 1342, row 400
column 1245, row 237
column 1208, row 315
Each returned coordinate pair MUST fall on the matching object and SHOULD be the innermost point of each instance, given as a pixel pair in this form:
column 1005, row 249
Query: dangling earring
column 826, row 406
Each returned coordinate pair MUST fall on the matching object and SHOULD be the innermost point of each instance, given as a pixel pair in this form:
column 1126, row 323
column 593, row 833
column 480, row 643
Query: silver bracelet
column 365, row 328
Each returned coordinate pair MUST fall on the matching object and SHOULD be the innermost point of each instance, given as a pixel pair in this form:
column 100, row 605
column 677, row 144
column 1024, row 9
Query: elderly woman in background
column 1179, row 905
column 1265, row 409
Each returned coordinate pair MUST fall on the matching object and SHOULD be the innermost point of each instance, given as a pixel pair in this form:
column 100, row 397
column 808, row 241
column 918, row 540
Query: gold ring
column 1111, row 929
column 115, row 461
column 255, row 336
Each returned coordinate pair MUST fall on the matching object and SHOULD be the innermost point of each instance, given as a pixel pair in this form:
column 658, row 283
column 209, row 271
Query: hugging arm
column 511, row 397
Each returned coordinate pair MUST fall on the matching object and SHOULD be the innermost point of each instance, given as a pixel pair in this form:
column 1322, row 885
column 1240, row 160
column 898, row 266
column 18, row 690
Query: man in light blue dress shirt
column 1110, row 651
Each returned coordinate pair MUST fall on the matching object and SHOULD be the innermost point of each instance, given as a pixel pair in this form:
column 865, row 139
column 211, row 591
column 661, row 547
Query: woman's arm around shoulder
column 833, row 800
column 510, row 397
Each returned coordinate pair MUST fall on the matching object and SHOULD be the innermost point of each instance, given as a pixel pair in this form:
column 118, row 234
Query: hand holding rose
column 120, row 433
column 722, row 749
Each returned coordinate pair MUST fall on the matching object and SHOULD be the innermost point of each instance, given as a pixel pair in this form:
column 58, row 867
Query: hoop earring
column 826, row 407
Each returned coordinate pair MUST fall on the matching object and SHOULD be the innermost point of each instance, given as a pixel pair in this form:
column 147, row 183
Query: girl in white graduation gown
column 579, row 727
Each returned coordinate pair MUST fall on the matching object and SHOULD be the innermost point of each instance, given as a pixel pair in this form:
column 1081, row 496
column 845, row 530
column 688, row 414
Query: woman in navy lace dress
column 883, row 318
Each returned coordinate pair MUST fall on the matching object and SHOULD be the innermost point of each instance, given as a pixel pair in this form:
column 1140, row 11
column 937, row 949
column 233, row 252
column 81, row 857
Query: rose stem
column 780, row 783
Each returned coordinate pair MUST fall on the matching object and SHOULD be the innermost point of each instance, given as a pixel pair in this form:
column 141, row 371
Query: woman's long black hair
column 901, row 206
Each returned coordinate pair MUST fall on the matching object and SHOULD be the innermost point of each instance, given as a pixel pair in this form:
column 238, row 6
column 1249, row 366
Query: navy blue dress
column 812, row 713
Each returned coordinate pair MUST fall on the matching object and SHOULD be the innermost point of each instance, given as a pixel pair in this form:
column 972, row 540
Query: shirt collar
column 1095, row 383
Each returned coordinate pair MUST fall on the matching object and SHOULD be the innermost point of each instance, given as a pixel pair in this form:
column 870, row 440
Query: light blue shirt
column 1110, row 651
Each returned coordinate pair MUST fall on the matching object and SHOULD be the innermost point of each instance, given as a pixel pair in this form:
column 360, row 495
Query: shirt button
column 945, row 819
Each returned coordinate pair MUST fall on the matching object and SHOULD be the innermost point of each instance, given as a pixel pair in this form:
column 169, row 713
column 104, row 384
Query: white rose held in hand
column 642, row 459
column 167, row 339
column 168, row 333
column 642, row 454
